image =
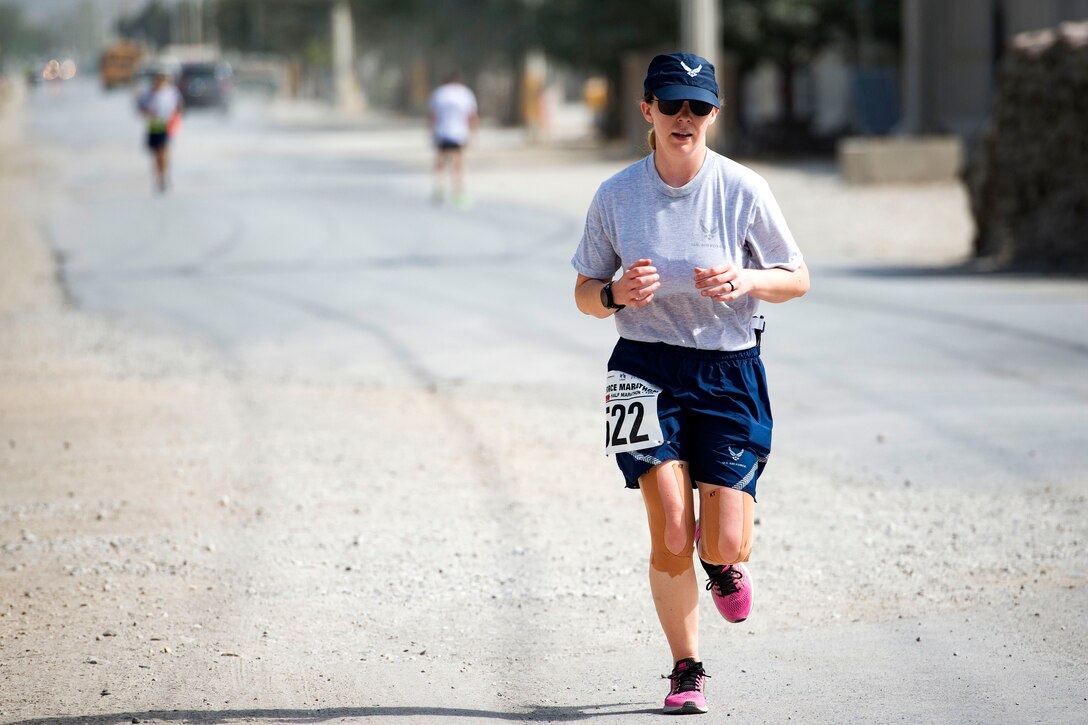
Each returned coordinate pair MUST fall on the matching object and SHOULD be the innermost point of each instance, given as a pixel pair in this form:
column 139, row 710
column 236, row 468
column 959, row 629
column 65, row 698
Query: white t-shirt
column 452, row 105
column 161, row 104
column 726, row 214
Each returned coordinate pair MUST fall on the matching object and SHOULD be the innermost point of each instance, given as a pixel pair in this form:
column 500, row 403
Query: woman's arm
column 587, row 295
column 634, row 288
column 726, row 282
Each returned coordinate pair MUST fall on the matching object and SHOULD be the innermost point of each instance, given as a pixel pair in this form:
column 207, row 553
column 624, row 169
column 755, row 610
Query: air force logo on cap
column 691, row 71
column 682, row 77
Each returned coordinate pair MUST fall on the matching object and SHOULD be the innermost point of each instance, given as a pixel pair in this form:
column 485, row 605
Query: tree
column 150, row 25
column 469, row 36
column 286, row 27
column 19, row 38
column 790, row 33
column 595, row 36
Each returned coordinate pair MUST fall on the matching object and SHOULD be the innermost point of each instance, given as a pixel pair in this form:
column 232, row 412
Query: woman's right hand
column 636, row 287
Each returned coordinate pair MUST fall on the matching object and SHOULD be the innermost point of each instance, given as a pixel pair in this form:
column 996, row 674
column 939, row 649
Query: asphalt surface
column 276, row 232
column 921, row 554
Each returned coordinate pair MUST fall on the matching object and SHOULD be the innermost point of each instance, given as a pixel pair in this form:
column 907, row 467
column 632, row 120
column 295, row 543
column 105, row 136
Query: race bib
column 630, row 414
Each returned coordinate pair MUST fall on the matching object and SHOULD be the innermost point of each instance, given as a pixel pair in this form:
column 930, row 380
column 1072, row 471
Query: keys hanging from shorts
column 758, row 326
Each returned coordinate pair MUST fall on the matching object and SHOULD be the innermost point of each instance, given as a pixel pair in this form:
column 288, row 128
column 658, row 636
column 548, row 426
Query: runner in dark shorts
column 699, row 241
column 713, row 411
column 161, row 106
column 157, row 139
column 452, row 119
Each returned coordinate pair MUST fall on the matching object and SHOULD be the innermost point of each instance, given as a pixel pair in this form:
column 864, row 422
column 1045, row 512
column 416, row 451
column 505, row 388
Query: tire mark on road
column 482, row 459
column 952, row 318
column 424, row 378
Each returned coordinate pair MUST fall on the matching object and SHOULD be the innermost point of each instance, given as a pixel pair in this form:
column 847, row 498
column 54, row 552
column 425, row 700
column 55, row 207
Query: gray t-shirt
column 726, row 214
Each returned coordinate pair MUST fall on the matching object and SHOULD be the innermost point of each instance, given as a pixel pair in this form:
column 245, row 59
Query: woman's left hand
column 722, row 283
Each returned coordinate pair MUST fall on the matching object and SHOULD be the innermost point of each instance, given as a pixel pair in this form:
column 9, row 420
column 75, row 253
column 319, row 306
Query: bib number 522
column 630, row 410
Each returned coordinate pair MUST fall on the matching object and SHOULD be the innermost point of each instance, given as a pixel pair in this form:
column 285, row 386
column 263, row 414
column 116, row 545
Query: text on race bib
column 630, row 413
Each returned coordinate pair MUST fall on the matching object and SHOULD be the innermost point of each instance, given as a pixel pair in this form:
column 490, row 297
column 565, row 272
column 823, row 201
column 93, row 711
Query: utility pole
column 700, row 33
column 348, row 96
column 196, row 10
column 914, row 61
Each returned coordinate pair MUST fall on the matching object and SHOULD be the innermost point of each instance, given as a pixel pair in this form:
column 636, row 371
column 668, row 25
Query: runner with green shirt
column 161, row 105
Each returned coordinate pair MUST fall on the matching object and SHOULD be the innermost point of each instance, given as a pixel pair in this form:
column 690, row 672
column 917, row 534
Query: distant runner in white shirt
column 161, row 105
column 452, row 118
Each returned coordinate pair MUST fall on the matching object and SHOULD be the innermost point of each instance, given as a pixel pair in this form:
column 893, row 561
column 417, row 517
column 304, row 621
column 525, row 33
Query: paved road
column 317, row 239
column 925, row 532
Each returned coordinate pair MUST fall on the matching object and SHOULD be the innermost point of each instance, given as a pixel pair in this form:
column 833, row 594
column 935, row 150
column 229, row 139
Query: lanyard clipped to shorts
column 758, row 326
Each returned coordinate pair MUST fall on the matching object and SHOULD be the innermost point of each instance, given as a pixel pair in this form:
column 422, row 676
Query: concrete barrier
column 900, row 159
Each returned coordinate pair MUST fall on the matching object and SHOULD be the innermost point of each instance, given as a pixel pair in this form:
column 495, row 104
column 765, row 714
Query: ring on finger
column 732, row 287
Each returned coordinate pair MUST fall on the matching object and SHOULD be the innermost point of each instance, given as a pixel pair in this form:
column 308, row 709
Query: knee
column 678, row 520
column 730, row 548
column 674, row 544
column 671, row 517
column 679, row 538
column 672, row 554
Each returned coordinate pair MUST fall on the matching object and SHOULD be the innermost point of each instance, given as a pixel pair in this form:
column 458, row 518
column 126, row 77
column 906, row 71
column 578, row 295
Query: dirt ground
column 186, row 539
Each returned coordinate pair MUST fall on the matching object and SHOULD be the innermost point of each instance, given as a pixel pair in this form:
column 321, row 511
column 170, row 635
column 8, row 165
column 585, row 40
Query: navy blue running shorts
column 713, row 409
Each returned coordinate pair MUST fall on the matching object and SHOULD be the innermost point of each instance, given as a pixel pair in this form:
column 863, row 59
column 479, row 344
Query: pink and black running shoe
column 686, row 690
column 731, row 587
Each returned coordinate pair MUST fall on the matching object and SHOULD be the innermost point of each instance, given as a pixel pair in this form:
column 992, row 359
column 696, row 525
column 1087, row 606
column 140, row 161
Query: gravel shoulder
column 186, row 539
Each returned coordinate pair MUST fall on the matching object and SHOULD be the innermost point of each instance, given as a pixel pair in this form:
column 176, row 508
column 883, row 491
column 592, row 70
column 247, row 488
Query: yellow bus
column 118, row 64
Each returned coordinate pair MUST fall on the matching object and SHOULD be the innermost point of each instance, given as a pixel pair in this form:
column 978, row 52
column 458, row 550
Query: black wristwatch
column 606, row 298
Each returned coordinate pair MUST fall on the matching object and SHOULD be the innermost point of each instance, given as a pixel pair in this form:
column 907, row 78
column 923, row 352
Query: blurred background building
column 798, row 75
column 892, row 90
column 952, row 52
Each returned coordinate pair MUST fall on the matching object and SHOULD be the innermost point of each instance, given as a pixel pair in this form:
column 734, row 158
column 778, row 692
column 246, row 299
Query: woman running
column 700, row 241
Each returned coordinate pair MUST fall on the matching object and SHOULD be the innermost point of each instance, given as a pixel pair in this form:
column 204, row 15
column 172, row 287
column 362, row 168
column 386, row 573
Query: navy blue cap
column 682, row 77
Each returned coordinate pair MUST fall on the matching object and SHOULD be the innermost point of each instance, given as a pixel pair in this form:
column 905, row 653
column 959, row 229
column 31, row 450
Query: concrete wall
column 900, row 159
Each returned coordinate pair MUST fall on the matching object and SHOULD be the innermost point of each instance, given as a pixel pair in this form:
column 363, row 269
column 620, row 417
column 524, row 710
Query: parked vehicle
column 209, row 84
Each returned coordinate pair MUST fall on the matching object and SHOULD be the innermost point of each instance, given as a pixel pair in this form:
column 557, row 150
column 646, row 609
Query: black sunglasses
column 671, row 108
